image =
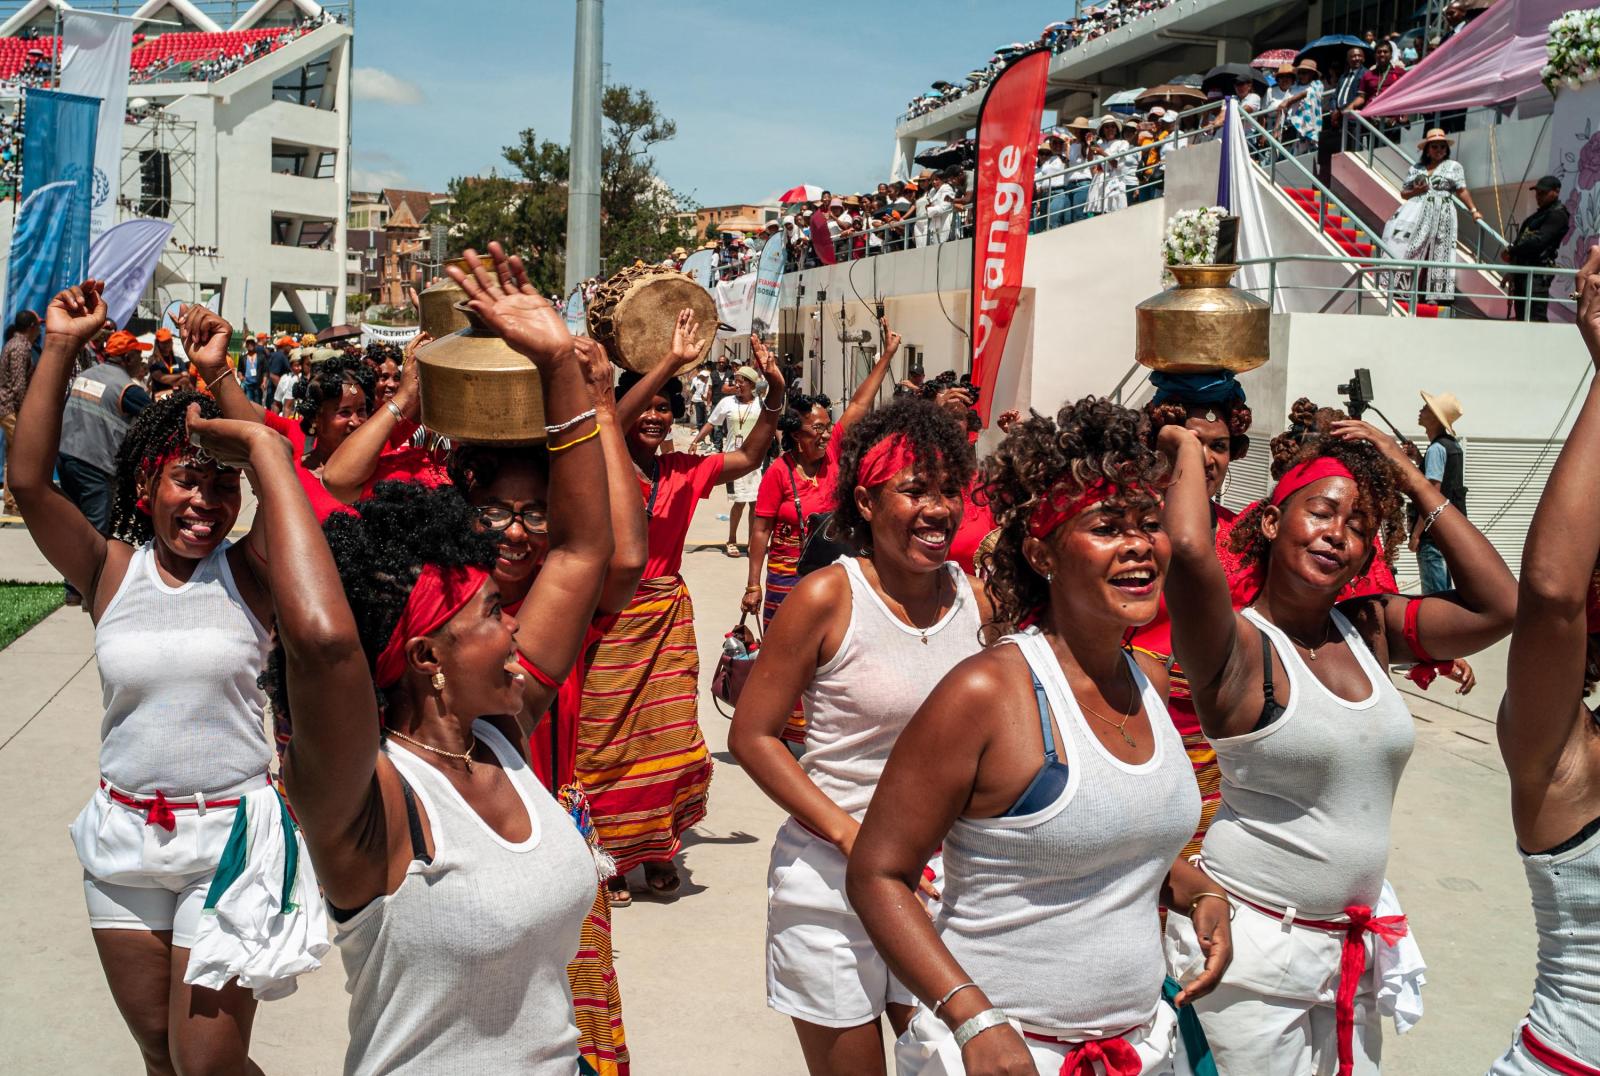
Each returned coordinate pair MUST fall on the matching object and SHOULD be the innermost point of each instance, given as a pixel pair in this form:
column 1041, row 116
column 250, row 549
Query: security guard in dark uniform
column 1536, row 244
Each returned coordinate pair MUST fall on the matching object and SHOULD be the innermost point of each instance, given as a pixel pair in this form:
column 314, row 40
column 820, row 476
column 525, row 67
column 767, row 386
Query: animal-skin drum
column 634, row 313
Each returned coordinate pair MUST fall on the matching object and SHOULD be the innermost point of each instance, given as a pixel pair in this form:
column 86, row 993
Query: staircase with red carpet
column 1348, row 235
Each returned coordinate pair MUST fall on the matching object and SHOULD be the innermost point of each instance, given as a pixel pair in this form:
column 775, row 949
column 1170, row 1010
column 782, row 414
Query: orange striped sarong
column 1202, row 756
column 596, row 1001
column 641, row 757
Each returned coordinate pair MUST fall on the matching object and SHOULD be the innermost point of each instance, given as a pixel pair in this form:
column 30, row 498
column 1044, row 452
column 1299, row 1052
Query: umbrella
column 943, row 85
column 956, row 153
column 335, row 333
column 977, row 76
column 1187, row 80
column 1123, row 101
column 1169, row 95
column 1272, row 59
column 1223, row 77
column 806, row 192
column 1325, row 50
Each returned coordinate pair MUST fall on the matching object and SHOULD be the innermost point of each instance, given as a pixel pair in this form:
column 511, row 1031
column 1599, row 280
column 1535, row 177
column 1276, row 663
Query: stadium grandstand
column 237, row 130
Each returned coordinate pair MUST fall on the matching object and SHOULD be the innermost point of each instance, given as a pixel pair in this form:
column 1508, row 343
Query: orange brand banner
column 1008, row 139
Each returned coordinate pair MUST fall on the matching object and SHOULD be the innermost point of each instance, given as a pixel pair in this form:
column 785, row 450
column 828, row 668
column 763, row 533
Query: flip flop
column 732, row 550
column 663, row 878
column 619, row 898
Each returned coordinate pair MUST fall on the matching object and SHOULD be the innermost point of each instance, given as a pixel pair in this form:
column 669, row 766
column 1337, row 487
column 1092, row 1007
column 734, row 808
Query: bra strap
column 419, row 845
column 1044, row 716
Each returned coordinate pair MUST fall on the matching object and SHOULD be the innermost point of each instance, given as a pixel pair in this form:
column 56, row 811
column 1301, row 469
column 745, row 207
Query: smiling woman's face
column 1320, row 535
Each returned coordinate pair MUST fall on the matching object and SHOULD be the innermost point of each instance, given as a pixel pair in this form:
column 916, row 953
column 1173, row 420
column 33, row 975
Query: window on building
column 308, row 85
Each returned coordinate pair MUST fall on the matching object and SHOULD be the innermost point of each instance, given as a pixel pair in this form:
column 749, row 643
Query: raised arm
column 1479, row 612
column 205, row 339
column 748, row 456
column 1204, row 627
column 64, row 535
column 353, row 463
column 629, row 527
column 1543, row 709
column 556, row 613
column 686, row 344
column 861, row 400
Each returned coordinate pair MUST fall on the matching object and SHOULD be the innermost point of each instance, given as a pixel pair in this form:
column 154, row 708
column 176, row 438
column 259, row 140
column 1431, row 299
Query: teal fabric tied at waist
column 236, row 854
column 1195, row 1046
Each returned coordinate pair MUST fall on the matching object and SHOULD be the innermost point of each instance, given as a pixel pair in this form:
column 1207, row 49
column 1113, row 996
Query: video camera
column 1357, row 393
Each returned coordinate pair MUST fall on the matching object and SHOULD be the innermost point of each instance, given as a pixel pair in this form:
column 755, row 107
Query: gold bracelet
column 1202, row 896
column 591, row 435
column 211, row 386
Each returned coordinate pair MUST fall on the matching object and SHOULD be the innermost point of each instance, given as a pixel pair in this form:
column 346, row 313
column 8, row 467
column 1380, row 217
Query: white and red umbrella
column 806, row 192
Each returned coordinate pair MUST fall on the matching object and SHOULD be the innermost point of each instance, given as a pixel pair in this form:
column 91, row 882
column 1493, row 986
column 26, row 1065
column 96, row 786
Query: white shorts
column 928, row 1048
column 142, row 877
column 743, row 490
column 1274, row 1009
column 821, row 966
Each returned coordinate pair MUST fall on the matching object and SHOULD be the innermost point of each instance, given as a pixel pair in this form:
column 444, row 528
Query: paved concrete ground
column 691, row 968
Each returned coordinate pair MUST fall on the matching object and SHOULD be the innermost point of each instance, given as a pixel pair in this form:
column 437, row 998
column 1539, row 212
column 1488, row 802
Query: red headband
column 1057, row 506
column 438, row 595
column 885, row 459
column 1302, row 475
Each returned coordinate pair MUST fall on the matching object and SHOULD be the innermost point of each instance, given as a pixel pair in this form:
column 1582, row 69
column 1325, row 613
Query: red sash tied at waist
column 1551, row 1059
column 159, row 811
column 1115, row 1053
column 1352, row 962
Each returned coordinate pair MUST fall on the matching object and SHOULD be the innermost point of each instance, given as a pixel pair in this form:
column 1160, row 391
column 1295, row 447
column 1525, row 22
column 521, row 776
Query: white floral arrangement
column 1573, row 50
column 1191, row 237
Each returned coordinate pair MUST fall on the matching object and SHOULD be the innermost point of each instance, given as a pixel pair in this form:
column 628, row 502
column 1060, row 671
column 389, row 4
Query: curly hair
column 1091, row 440
column 379, row 550
column 160, row 430
column 1378, row 495
column 377, row 353
column 1174, row 412
column 471, row 466
column 672, row 390
column 326, row 381
column 933, row 432
column 796, row 408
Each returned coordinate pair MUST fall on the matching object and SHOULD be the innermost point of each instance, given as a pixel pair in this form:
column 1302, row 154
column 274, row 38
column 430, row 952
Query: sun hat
column 1307, row 64
column 1446, row 408
column 1436, row 135
column 1080, row 124
column 749, row 374
column 1286, row 69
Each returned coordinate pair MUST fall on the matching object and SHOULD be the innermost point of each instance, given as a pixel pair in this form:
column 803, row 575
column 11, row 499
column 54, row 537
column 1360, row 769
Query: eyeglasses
column 818, row 428
column 534, row 520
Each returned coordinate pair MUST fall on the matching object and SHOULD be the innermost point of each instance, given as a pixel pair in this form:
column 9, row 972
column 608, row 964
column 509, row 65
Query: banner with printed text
column 769, row 287
column 1008, row 138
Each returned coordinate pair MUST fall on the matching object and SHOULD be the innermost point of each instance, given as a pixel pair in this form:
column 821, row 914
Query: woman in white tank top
column 1311, row 737
column 1059, row 790
column 459, row 884
column 1551, row 742
column 861, row 642
column 183, row 747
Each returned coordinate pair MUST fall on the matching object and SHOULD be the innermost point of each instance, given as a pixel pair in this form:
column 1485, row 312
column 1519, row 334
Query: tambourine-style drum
column 634, row 313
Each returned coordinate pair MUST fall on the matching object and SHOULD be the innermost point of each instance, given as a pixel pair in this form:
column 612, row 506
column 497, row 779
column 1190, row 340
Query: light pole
column 583, row 178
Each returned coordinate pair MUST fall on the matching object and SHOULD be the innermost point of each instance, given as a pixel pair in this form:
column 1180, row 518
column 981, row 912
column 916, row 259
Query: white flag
column 125, row 258
column 95, row 51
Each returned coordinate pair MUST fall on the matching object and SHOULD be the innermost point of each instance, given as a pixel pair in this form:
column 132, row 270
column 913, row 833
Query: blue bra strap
column 1044, row 716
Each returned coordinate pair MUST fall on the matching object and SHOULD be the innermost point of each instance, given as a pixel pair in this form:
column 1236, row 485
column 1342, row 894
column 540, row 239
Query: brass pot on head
column 474, row 386
column 1205, row 323
column 437, row 311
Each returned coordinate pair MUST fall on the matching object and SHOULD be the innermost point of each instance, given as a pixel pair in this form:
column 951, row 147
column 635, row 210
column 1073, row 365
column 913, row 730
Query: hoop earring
column 438, row 681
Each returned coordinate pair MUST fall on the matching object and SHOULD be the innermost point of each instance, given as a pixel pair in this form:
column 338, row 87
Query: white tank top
column 464, row 967
column 178, row 669
column 1566, row 913
column 1054, row 913
column 858, row 702
column 1306, row 801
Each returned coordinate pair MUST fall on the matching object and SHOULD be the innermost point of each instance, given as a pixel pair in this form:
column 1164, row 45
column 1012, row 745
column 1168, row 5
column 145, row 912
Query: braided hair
column 326, row 381
column 934, row 434
column 1089, row 441
column 161, row 430
column 377, row 353
column 1175, row 412
column 475, row 465
column 796, row 408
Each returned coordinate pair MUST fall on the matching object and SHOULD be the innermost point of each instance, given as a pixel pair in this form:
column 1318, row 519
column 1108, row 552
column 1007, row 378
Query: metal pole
column 583, row 187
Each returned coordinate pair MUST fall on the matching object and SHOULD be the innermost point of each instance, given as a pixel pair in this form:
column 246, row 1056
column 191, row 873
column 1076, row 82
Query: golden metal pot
column 474, row 386
column 1205, row 323
column 437, row 311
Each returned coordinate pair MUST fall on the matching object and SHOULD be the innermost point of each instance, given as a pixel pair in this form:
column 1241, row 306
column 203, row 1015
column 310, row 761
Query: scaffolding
column 172, row 144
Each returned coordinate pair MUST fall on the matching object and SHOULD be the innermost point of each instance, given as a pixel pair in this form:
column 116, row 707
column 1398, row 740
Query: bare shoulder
column 823, row 589
column 1154, row 669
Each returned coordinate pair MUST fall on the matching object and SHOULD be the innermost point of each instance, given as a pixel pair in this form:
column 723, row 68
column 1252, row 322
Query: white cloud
column 376, row 84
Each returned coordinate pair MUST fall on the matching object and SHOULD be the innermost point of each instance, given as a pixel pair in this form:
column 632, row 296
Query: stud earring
column 1049, row 577
column 438, row 681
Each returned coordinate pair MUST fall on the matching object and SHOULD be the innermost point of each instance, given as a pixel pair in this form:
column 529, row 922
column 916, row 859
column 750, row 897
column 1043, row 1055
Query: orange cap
column 122, row 341
column 286, row 341
column 163, row 334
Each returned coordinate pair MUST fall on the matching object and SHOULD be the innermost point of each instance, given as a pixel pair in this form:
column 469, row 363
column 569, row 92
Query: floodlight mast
column 583, row 181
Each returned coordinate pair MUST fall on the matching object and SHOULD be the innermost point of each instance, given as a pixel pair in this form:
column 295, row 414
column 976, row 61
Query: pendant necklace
column 1120, row 726
column 463, row 756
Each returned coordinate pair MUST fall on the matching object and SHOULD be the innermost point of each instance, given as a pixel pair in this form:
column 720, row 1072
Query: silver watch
column 977, row 1025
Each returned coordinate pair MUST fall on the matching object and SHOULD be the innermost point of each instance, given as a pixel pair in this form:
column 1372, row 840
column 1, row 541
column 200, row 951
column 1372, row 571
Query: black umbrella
column 1224, row 77
column 1185, row 80
column 959, row 153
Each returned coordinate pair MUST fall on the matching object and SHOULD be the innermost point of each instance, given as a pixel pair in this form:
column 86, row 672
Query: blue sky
column 763, row 100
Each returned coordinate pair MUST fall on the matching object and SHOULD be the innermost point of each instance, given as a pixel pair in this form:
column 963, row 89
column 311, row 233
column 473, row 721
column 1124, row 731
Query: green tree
column 527, row 208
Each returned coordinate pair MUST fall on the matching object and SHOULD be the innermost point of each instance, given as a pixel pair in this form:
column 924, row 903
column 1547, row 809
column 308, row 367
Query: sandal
column 619, row 897
column 732, row 549
column 662, row 877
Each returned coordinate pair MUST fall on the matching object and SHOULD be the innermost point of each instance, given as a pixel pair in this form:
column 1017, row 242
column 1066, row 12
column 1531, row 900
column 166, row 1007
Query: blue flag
column 37, row 267
column 58, row 141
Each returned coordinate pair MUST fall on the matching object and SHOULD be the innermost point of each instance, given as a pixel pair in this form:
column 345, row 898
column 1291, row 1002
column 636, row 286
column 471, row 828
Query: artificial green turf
column 22, row 605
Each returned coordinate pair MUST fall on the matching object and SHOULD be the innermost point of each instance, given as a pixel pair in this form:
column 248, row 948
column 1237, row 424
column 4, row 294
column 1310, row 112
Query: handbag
column 819, row 546
column 733, row 667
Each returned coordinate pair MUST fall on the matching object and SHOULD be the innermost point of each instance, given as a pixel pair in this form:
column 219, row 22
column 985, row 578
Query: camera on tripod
column 1357, row 393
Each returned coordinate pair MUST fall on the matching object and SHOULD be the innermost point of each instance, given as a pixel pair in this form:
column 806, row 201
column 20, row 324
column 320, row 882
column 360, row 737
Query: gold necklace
column 1122, row 726
column 464, row 756
column 1311, row 651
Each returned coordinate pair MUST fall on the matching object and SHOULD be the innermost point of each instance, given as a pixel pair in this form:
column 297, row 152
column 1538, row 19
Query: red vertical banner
column 822, row 236
column 1008, row 140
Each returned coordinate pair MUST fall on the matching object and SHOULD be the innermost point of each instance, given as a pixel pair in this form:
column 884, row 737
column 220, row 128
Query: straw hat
column 1446, row 408
column 1108, row 118
column 1435, row 135
column 679, row 252
column 1080, row 124
column 1286, row 69
column 1307, row 64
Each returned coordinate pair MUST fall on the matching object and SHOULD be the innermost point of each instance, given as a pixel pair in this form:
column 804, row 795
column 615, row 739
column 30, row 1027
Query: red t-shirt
column 683, row 479
column 569, row 697
column 323, row 503
column 976, row 523
column 775, row 500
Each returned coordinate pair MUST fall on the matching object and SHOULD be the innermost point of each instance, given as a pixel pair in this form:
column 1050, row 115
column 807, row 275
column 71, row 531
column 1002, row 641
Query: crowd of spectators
column 222, row 63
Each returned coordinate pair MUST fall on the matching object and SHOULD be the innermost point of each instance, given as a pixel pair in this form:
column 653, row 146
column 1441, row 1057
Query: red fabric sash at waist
column 1352, row 962
column 1115, row 1053
column 159, row 810
column 1549, row 1057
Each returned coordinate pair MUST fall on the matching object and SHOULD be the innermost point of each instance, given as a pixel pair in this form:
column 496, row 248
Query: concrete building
column 240, row 133
column 745, row 219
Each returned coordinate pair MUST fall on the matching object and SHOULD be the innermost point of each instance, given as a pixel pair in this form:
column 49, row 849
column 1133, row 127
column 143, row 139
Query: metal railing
column 1397, row 286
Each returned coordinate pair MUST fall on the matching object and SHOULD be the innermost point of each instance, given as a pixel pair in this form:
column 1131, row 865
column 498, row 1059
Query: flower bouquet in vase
column 1204, row 323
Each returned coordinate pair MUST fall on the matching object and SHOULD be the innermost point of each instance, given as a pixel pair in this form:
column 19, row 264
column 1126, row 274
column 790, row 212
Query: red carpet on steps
column 1334, row 226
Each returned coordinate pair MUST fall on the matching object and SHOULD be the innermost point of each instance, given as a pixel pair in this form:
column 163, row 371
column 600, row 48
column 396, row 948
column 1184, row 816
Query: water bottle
column 733, row 646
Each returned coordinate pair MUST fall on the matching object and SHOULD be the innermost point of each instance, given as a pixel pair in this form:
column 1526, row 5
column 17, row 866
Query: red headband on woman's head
column 439, row 594
column 885, row 459
column 1302, row 475
column 1058, row 505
